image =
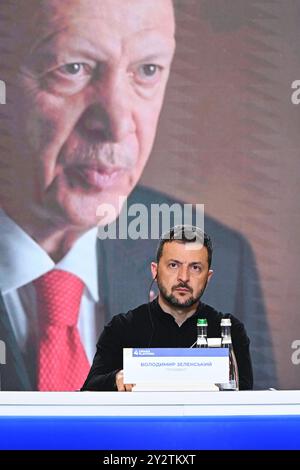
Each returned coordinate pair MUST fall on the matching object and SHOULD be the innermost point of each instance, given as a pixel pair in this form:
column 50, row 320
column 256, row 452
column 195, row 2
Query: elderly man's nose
column 96, row 123
column 110, row 118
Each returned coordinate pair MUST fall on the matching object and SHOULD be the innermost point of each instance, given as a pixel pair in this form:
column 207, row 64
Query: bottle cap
column 225, row 322
column 201, row 322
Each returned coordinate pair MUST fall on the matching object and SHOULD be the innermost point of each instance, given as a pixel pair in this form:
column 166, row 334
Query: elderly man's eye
column 73, row 69
column 69, row 78
column 148, row 72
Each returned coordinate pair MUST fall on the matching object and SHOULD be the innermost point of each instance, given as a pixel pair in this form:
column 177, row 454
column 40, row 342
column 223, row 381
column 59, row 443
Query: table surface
column 150, row 420
column 242, row 403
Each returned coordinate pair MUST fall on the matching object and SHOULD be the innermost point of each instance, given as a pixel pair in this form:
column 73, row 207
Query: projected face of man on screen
column 91, row 77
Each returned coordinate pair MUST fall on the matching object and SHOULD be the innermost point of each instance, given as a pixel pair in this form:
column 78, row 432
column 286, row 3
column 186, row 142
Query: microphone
column 151, row 293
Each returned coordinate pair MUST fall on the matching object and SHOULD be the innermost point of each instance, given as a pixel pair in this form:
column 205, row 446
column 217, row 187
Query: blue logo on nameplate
column 180, row 352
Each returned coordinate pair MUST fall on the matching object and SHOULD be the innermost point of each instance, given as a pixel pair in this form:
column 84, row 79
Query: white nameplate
column 175, row 365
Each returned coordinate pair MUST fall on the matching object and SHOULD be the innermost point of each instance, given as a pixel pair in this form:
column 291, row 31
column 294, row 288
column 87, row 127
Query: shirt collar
column 82, row 261
column 23, row 260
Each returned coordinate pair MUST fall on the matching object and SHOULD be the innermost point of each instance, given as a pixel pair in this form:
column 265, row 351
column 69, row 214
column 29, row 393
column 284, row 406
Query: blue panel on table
column 153, row 433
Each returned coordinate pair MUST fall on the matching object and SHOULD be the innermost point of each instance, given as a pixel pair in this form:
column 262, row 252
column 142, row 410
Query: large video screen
column 114, row 123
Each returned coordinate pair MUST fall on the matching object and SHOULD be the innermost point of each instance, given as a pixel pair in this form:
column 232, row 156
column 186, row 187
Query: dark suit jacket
column 125, row 277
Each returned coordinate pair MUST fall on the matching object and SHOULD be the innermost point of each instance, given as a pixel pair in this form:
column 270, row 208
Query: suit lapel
column 13, row 374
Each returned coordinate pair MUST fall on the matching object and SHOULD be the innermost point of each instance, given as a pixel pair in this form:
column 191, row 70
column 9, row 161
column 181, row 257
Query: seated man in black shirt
column 182, row 271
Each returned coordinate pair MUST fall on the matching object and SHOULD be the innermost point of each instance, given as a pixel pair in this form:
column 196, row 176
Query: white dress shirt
column 23, row 261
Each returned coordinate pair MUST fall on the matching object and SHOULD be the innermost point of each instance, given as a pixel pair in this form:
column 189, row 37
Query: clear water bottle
column 233, row 383
column 201, row 333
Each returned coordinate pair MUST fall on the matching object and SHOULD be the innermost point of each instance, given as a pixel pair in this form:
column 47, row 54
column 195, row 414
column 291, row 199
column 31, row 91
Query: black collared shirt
column 149, row 326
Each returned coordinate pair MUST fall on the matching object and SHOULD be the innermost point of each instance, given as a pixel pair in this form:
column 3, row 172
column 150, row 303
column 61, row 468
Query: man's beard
column 172, row 300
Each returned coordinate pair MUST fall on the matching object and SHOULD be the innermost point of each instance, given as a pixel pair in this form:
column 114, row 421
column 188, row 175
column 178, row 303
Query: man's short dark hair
column 185, row 234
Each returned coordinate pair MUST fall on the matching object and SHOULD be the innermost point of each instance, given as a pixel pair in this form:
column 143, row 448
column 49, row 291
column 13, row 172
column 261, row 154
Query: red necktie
column 62, row 362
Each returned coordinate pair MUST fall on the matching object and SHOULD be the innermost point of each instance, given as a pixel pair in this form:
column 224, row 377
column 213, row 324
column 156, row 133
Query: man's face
column 182, row 273
column 89, row 93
